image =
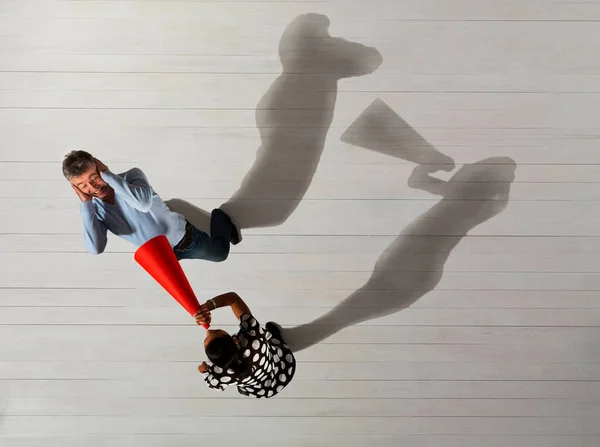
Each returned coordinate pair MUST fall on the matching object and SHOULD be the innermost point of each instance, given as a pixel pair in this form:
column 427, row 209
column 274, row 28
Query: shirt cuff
column 108, row 176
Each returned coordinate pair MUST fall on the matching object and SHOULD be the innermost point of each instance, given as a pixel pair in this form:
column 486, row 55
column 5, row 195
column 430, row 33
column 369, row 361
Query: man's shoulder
column 135, row 171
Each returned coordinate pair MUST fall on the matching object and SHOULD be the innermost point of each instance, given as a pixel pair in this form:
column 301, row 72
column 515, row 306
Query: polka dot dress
column 273, row 364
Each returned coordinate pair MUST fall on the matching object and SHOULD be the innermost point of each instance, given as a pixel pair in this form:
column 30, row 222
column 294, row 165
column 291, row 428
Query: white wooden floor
column 410, row 332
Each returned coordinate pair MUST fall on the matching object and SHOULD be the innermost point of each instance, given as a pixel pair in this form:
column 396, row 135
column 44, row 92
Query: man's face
column 91, row 183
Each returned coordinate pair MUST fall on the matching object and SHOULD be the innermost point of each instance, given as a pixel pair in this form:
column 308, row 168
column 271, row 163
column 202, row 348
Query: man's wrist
column 87, row 206
column 107, row 173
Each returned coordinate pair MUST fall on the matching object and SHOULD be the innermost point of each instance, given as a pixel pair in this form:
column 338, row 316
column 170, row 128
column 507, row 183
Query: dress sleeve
column 216, row 378
column 249, row 325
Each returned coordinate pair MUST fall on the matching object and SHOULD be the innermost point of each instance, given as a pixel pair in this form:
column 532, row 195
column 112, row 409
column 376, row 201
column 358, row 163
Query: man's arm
column 134, row 188
column 94, row 231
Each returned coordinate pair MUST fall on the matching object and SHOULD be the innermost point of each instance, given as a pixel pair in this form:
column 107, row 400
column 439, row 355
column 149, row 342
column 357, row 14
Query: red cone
column 158, row 259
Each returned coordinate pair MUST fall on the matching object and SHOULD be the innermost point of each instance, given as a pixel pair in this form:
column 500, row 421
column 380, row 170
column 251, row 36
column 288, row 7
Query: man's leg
column 214, row 247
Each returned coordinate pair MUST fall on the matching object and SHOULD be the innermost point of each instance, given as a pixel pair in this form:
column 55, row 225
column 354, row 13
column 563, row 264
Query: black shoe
column 235, row 236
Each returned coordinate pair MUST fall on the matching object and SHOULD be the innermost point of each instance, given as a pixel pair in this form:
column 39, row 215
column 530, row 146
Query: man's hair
column 77, row 163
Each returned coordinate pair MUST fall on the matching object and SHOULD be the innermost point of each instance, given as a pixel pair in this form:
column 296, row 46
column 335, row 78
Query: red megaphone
column 158, row 259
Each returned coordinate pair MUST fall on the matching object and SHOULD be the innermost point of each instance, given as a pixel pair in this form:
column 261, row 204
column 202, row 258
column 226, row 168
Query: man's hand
column 203, row 367
column 82, row 196
column 101, row 166
column 203, row 316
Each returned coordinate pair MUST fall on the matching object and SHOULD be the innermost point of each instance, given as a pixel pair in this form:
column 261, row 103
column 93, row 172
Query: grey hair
column 76, row 163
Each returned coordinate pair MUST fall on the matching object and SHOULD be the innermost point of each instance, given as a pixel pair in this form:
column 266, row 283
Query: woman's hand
column 203, row 316
column 203, row 367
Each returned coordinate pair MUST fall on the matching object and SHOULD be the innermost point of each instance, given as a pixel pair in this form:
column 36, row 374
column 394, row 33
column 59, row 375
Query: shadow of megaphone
column 381, row 130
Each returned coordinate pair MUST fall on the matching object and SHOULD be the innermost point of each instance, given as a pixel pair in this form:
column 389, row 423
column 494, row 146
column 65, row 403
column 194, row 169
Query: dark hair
column 224, row 353
column 76, row 163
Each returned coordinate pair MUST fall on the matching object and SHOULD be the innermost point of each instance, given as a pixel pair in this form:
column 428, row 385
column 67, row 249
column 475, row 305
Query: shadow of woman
column 402, row 275
column 293, row 118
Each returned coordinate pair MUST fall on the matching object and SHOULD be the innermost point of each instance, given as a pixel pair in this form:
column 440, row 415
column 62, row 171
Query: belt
column 186, row 239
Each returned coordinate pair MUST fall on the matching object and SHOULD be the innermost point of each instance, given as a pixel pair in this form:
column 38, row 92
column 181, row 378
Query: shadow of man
column 293, row 118
column 413, row 264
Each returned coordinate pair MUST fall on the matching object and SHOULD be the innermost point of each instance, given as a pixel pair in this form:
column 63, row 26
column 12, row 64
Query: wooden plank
column 321, row 189
column 467, row 47
column 462, row 260
column 540, row 380
column 445, row 47
column 451, row 110
column 380, row 313
column 536, row 218
column 322, row 299
column 155, row 10
column 81, row 78
column 57, row 335
column 325, row 245
column 178, row 63
column 102, row 346
column 190, row 386
column 82, row 270
column 80, row 276
column 329, row 167
column 254, row 28
column 212, row 407
column 301, row 440
column 437, row 10
column 381, row 426
column 204, row 98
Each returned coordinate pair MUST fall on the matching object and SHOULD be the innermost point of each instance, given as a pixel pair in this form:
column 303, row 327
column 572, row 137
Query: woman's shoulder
column 248, row 321
column 249, row 327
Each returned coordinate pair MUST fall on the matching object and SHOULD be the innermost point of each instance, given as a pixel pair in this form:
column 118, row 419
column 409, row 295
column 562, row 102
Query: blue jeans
column 211, row 248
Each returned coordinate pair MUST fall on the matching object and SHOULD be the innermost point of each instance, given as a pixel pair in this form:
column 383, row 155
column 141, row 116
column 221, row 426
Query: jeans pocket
column 194, row 240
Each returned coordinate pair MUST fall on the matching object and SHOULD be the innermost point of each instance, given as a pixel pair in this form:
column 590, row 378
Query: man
column 127, row 205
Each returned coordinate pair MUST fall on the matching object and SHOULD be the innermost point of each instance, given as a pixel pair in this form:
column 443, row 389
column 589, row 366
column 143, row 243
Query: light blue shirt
column 137, row 215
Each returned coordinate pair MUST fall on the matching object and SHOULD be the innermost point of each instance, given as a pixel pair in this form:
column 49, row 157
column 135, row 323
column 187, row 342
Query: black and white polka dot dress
column 273, row 364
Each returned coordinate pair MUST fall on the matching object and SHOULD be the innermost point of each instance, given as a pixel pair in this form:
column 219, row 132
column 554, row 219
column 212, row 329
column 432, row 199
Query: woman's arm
column 238, row 306
column 232, row 299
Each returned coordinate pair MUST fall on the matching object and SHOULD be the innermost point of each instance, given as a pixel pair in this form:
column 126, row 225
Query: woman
column 257, row 360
